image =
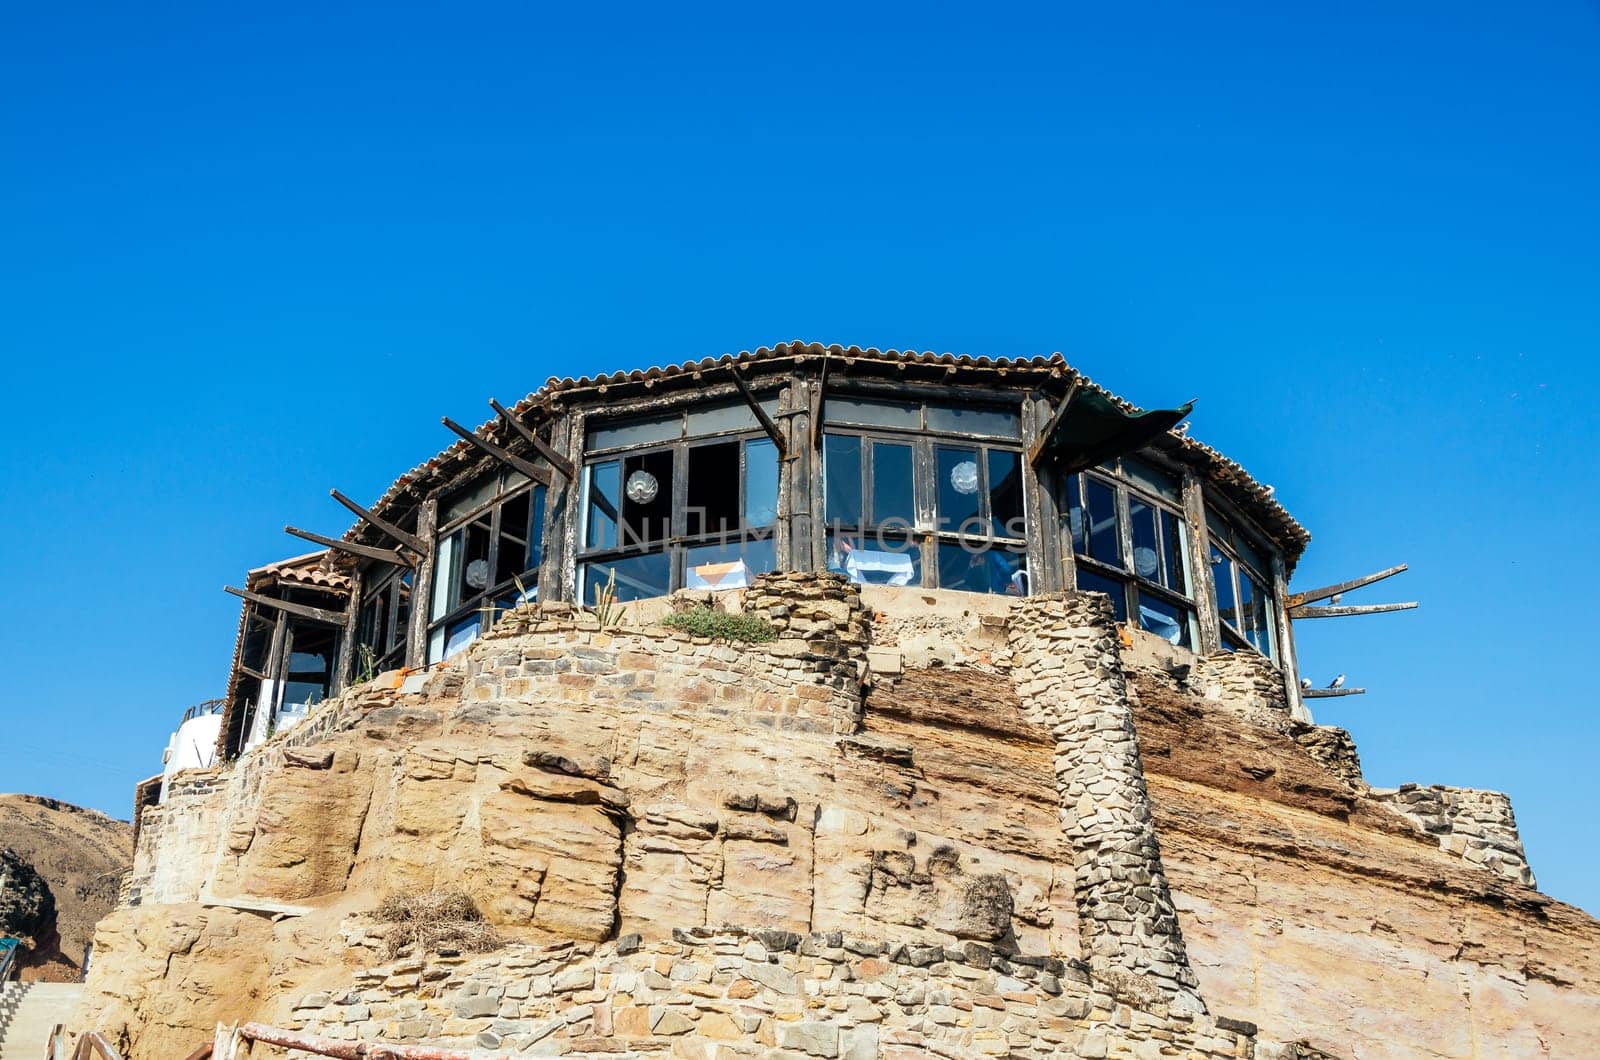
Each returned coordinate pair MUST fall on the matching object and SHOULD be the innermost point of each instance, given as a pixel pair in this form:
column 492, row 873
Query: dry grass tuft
column 434, row 920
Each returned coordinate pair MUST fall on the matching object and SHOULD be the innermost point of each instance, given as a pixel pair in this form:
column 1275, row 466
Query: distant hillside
column 81, row 854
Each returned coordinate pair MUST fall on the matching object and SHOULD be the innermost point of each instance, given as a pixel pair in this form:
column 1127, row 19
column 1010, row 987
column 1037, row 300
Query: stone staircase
column 28, row 1012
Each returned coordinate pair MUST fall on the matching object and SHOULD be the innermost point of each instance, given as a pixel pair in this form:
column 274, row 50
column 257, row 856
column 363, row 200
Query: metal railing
column 8, row 958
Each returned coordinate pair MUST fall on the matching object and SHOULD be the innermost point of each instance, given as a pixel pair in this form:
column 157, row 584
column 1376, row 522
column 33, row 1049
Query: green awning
column 1093, row 430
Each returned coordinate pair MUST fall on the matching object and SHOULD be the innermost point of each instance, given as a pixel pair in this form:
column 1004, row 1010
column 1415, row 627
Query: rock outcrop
column 910, row 823
column 80, row 855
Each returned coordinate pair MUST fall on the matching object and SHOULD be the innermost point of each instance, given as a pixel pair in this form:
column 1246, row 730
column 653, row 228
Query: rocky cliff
column 910, row 824
column 77, row 857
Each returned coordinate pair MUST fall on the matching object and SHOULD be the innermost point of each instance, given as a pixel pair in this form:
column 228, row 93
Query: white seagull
column 1337, row 682
column 1305, row 683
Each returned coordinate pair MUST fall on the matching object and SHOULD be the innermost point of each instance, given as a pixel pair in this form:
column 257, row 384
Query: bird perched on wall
column 1337, row 682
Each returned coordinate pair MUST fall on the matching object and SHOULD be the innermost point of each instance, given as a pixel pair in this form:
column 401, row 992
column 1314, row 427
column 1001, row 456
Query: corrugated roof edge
column 1255, row 499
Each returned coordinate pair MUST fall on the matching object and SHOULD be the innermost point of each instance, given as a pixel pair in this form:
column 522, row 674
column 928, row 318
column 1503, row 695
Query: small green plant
column 705, row 621
column 367, row 666
column 605, row 609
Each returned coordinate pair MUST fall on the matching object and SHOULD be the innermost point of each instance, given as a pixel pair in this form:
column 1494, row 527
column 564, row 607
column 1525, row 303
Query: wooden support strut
column 527, row 467
column 761, row 413
column 411, row 541
column 320, row 614
column 1330, row 693
column 1036, row 452
column 1307, row 611
column 388, row 555
column 1313, row 595
column 545, row 449
column 348, row 1050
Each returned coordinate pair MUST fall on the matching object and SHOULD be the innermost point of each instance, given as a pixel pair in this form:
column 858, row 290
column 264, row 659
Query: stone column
column 1068, row 673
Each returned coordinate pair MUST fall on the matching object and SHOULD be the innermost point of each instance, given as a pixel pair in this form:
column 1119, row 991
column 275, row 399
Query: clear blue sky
column 249, row 255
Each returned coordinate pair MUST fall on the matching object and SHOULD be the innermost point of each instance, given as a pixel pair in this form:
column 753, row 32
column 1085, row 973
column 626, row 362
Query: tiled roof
column 313, row 570
column 1234, row 481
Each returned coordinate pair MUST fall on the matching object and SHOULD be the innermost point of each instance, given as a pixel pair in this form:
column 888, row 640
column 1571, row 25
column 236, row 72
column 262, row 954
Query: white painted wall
column 193, row 746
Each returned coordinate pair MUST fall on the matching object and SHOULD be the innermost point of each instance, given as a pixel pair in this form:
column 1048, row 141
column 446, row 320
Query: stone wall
column 1334, row 748
column 1069, row 674
column 728, row 992
column 1243, row 683
column 1476, row 825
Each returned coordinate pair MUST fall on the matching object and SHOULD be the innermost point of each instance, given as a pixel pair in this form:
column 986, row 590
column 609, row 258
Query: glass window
column 1005, row 493
column 1146, row 540
column 958, row 482
column 646, row 431
column 732, row 416
column 1101, row 523
column 894, row 494
column 869, row 413
column 1222, row 576
column 1163, row 485
column 1166, row 620
column 987, row 569
column 992, row 421
column 760, row 483
column 605, row 480
column 841, row 472
column 875, row 559
column 1076, row 523
column 638, row 577
column 1175, row 556
column 1090, row 582
column 647, row 497
column 713, row 489
column 729, row 565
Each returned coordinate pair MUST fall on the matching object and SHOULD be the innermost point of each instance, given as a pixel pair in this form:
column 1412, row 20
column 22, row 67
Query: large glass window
column 486, row 561
column 1131, row 544
column 688, row 499
column 383, row 620
column 1243, row 588
column 932, row 503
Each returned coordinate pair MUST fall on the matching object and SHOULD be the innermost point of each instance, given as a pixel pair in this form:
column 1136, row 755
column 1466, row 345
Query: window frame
column 678, row 542
column 923, row 534
column 486, row 601
column 393, row 640
column 1233, row 637
column 1124, row 490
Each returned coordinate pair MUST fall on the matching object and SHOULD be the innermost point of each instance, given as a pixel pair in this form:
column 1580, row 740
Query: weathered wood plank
column 1313, row 595
column 387, row 555
column 532, row 470
column 1308, row 611
column 1331, row 693
column 761, row 413
column 1036, row 451
column 411, row 541
column 544, row 448
column 320, row 614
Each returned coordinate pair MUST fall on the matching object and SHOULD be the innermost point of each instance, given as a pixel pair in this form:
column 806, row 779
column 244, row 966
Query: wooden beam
column 411, row 541
column 388, row 555
column 533, row 471
column 1307, row 611
column 1330, row 693
column 1036, row 452
column 1313, row 595
column 761, row 413
column 544, row 448
column 320, row 614
column 817, row 399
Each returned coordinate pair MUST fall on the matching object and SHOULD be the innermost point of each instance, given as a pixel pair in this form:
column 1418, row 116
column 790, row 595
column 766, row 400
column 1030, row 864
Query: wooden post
column 564, row 516
column 422, row 586
column 1203, row 591
column 1284, row 634
column 347, row 643
column 1043, row 577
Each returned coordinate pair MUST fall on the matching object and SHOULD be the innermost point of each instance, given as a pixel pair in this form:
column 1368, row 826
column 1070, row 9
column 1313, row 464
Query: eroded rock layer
column 972, row 826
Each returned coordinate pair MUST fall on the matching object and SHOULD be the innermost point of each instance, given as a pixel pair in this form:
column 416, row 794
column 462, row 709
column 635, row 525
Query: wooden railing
column 232, row 1043
column 90, row 1045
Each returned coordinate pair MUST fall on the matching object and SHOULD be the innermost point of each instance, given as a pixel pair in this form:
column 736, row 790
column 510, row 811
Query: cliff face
column 925, row 816
column 79, row 856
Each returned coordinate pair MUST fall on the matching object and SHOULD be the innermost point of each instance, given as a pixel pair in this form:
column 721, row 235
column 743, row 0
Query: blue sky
column 251, row 255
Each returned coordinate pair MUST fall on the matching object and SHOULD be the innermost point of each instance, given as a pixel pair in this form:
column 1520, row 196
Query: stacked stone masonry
column 728, row 992
column 1476, row 825
column 1069, row 674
